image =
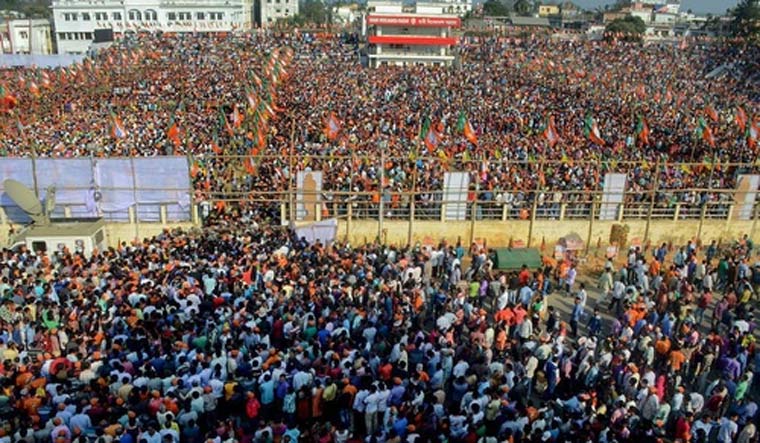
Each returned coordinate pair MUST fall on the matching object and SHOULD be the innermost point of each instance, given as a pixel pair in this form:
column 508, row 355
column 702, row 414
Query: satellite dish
column 26, row 200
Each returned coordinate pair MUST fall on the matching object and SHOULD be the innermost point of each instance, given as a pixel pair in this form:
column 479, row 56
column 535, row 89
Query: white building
column 273, row 10
column 405, row 36
column 76, row 20
column 26, row 36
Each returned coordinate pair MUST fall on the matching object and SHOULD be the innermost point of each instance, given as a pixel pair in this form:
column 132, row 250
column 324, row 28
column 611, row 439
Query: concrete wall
column 496, row 233
column 499, row 233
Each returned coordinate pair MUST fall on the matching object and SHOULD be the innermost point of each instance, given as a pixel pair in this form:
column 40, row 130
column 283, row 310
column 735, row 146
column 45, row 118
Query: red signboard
column 412, row 40
column 414, row 21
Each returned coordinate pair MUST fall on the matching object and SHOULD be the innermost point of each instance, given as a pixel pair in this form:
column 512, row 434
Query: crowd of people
column 249, row 334
column 505, row 88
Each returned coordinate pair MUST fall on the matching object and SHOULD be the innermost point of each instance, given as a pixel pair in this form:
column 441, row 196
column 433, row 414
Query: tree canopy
column 630, row 27
column 746, row 19
column 495, row 8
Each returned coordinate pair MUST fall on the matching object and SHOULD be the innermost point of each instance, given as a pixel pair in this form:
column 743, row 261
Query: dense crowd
column 505, row 88
column 251, row 335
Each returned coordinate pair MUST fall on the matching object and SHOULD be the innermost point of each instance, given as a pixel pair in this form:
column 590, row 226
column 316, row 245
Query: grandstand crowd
column 657, row 105
column 242, row 332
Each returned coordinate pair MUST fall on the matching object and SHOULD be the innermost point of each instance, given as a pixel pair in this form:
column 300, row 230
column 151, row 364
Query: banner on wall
column 745, row 196
column 456, row 185
column 308, row 195
column 612, row 196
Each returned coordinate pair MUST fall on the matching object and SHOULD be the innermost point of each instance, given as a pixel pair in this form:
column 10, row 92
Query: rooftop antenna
column 29, row 203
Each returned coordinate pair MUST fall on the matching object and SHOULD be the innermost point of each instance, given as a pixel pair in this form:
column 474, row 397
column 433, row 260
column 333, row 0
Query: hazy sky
column 698, row 6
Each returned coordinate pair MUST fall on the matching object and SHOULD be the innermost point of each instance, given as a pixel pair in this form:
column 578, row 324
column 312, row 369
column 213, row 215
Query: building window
column 215, row 15
column 88, row 35
column 85, row 16
column 23, row 34
column 200, row 16
column 184, row 16
column 117, row 15
column 171, row 16
column 101, row 16
column 135, row 15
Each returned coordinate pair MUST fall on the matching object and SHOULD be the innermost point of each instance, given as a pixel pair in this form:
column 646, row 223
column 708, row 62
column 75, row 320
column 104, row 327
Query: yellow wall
column 499, row 233
column 495, row 233
column 547, row 10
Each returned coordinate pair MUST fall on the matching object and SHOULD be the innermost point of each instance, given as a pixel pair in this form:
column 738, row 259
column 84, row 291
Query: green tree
column 524, row 7
column 312, row 12
column 495, row 8
column 746, row 19
column 631, row 27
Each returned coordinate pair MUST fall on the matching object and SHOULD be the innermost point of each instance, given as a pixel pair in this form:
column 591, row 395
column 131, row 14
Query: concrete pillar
column 132, row 215
column 562, row 210
column 163, row 214
column 195, row 215
column 504, row 212
column 318, row 215
column 443, row 212
column 284, row 214
column 67, row 211
column 677, row 212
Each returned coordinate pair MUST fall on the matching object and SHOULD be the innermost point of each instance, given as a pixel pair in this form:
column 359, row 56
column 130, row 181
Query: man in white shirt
column 370, row 410
column 728, row 429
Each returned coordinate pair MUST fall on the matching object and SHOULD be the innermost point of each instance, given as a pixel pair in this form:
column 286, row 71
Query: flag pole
column 291, row 170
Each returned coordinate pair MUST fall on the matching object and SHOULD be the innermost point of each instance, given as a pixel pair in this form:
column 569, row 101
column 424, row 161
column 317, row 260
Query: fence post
column 411, row 221
column 381, row 190
column 730, row 215
column 702, row 216
column 677, row 212
column 34, row 173
column 655, row 186
column 193, row 209
column 349, row 216
column 474, row 212
column 532, row 219
column 562, row 210
column 591, row 223
column 134, row 196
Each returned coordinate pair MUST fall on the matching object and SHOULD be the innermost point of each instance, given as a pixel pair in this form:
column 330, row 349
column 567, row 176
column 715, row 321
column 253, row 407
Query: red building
column 404, row 39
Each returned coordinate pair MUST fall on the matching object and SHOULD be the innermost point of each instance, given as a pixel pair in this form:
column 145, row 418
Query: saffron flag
column 237, row 117
column 753, row 133
column 710, row 111
column 550, row 132
column 642, row 131
column 591, row 131
column 741, row 118
column 252, row 101
column 173, row 132
column 432, row 139
column 332, row 127
column 117, row 127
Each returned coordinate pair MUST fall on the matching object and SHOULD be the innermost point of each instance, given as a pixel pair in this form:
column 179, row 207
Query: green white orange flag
column 591, row 130
column 465, row 128
column 705, row 133
column 642, row 131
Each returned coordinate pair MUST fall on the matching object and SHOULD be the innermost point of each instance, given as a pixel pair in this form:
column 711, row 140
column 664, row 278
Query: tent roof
column 507, row 259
